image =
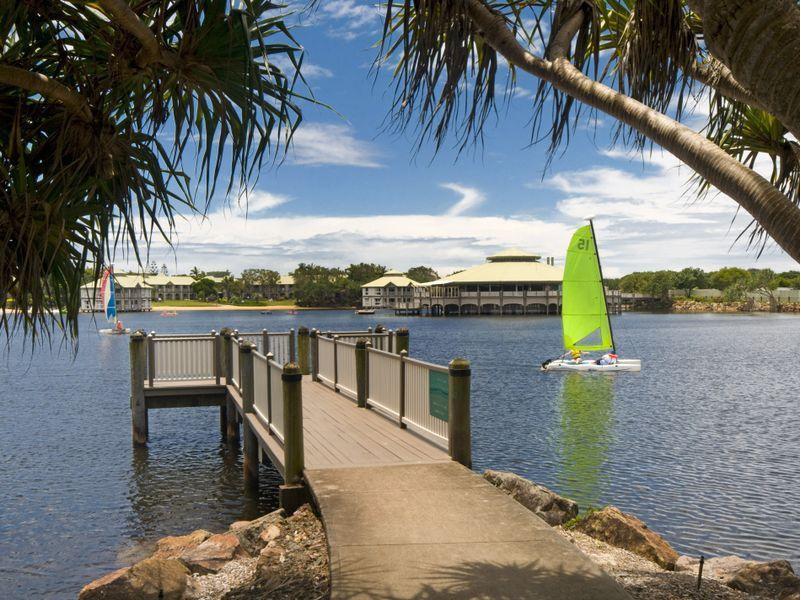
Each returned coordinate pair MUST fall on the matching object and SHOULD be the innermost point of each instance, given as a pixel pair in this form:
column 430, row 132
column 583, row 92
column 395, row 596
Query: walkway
column 405, row 521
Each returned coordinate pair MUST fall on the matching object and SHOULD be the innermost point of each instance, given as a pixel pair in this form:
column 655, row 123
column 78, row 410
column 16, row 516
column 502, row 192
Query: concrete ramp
column 441, row 531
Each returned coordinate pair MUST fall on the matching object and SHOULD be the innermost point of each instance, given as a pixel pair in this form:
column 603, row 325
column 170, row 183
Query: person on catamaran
column 575, row 355
column 119, row 326
column 609, row 358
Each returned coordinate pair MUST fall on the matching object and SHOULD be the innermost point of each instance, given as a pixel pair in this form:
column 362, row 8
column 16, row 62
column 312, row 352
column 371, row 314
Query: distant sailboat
column 108, row 297
column 585, row 316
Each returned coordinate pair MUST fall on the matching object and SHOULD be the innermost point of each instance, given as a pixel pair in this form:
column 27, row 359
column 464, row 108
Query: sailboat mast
column 603, row 287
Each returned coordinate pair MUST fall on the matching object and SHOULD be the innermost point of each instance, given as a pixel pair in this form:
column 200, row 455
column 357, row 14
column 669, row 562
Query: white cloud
column 331, row 144
column 258, row 201
column 308, row 69
column 353, row 18
column 470, row 198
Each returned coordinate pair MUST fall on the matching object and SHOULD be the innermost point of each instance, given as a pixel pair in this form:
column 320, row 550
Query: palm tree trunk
column 759, row 41
column 766, row 204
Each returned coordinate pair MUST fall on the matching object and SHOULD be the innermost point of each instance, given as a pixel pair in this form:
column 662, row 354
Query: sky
column 351, row 191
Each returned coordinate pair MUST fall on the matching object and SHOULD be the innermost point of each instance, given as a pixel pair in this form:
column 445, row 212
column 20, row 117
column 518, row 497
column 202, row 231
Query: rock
column 271, row 533
column 249, row 532
column 211, row 555
column 175, row 545
column 720, row 568
column 551, row 507
column 150, row 579
column 626, row 531
column 775, row 579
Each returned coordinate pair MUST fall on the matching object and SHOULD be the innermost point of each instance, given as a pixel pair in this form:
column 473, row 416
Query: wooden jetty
column 381, row 444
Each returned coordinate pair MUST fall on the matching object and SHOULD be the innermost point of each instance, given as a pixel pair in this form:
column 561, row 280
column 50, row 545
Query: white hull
column 630, row 364
column 114, row 331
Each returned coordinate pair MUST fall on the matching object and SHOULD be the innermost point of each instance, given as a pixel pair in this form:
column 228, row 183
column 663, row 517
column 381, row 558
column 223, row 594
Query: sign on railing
column 426, row 398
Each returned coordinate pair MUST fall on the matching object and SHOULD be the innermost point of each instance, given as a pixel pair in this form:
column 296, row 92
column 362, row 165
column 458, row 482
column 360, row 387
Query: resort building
column 131, row 294
column 173, row 287
column 391, row 290
column 511, row 282
column 285, row 287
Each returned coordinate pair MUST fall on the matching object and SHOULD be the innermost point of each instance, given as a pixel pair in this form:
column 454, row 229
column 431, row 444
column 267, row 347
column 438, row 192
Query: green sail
column 585, row 324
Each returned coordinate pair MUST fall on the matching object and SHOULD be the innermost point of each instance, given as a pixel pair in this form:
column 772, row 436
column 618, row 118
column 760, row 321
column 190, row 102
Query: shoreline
column 218, row 307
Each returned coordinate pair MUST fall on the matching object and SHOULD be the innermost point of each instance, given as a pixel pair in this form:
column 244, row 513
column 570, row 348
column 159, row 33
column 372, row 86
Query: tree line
column 314, row 285
column 734, row 282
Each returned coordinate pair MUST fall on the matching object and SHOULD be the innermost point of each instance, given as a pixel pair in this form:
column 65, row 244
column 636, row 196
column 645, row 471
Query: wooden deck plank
column 336, row 432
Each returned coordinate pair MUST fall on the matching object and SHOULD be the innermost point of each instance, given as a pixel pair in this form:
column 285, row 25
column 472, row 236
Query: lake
column 702, row 445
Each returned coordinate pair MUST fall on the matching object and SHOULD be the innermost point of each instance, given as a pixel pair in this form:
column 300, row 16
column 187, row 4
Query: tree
column 689, row 279
column 447, row 56
column 764, row 283
column 320, row 286
column 728, row 277
column 260, row 279
column 422, row 274
column 231, row 287
column 163, row 270
column 660, row 283
column 635, row 283
column 787, row 279
column 364, row 272
column 197, row 274
column 99, row 101
column 153, row 268
column 204, row 289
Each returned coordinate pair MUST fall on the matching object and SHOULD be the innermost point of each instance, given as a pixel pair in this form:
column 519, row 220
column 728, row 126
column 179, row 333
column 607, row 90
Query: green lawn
column 179, row 303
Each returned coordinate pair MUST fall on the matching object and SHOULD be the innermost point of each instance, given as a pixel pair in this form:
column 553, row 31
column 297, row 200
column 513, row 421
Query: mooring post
column 217, row 357
column 303, row 350
column 250, row 445
column 361, row 372
column 700, row 572
column 402, row 389
column 402, row 340
column 314, row 346
column 292, row 494
column 459, row 445
column 151, row 358
column 292, row 345
column 231, row 423
column 138, row 405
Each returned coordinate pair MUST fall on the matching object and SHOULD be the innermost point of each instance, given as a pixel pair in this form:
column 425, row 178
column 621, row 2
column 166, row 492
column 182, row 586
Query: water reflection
column 586, row 409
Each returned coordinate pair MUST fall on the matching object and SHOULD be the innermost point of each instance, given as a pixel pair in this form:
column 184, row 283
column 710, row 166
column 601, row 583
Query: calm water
column 703, row 445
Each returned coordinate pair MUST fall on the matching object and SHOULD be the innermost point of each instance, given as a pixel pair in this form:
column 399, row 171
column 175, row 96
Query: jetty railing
column 182, row 357
column 280, row 343
column 413, row 393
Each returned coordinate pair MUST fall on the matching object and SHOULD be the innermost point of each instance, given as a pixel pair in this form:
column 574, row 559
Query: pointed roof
column 509, row 266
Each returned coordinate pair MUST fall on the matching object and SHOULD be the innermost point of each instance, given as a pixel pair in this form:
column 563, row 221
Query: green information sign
column 438, row 395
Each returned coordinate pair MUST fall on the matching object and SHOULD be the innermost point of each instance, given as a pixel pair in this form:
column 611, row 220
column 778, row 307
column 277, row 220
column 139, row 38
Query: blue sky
column 350, row 191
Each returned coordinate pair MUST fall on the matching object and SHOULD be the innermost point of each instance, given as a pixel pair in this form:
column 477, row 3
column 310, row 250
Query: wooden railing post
column 402, row 388
column 250, row 445
column 314, row 343
column 292, row 494
column 390, row 342
column 292, row 345
column 361, row 372
column 217, row 357
column 231, row 421
column 269, row 357
column 139, row 426
column 336, row 364
column 265, row 342
column 303, row 350
column 151, row 358
column 459, row 444
column 402, row 340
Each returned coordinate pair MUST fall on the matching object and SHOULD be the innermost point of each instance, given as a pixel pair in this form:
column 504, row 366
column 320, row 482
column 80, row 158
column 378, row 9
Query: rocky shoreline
column 286, row 557
column 274, row 556
column 697, row 306
column 641, row 560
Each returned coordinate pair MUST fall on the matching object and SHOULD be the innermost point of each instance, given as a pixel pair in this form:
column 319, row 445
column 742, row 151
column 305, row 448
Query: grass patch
column 580, row 517
column 201, row 303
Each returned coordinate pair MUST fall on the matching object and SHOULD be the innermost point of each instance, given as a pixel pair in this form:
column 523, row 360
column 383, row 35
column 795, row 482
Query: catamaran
column 586, row 326
column 109, row 299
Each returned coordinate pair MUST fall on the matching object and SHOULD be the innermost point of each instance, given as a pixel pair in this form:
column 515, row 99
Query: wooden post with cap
column 303, row 350
column 250, row 445
column 139, row 425
column 402, row 340
column 459, row 443
column 292, row 494
column 361, row 372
